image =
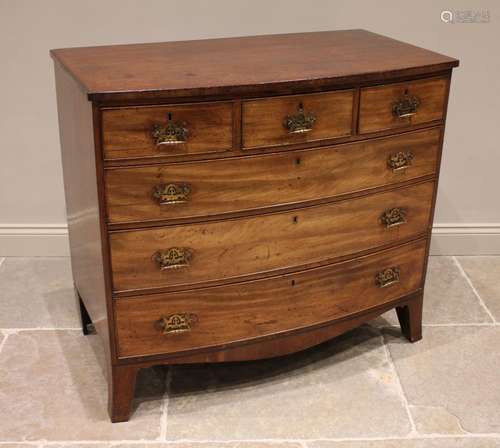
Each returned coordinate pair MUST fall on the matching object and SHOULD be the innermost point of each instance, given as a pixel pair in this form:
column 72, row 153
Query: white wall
column 32, row 213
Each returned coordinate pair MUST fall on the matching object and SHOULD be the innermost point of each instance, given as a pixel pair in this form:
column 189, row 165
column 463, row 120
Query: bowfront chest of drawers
column 238, row 199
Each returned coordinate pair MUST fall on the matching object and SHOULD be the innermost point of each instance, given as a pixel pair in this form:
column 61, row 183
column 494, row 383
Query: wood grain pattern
column 264, row 307
column 253, row 183
column 278, row 344
column 262, row 122
column 121, row 392
column 410, row 316
column 82, row 201
column 242, row 65
column 376, row 103
column 274, row 227
column 238, row 247
column 127, row 132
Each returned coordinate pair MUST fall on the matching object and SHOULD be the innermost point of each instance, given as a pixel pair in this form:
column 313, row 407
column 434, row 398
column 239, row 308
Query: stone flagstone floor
column 369, row 388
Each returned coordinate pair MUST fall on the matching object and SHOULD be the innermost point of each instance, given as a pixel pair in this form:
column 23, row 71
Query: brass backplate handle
column 400, row 161
column 177, row 323
column 393, row 217
column 387, row 277
column 301, row 122
column 173, row 258
column 171, row 133
column 406, row 106
column 171, row 193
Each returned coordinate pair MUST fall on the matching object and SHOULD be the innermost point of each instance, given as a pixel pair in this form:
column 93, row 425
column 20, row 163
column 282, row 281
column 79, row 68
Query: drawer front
column 189, row 254
column 401, row 105
column 159, row 131
column 174, row 322
column 297, row 119
column 196, row 189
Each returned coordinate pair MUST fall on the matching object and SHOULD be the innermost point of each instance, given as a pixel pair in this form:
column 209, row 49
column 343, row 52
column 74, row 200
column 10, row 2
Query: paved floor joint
column 474, row 290
column 404, row 399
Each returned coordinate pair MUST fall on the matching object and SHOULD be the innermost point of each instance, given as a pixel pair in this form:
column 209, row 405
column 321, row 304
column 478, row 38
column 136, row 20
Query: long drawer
column 198, row 189
column 197, row 319
column 190, row 254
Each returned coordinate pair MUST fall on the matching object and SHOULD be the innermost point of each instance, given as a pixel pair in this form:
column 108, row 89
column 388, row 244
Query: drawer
column 209, row 317
column 395, row 106
column 177, row 255
column 297, row 119
column 159, row 131
column 197, row 189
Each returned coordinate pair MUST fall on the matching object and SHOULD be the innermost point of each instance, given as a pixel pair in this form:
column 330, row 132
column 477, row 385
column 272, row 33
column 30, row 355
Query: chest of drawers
column 238, row 199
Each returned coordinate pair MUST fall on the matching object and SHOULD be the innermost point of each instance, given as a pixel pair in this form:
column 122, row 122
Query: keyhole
column 297, row 161
column 293, row 282
column 301, row 106
column 295, row 219
column 169, row 116
column 406, row 91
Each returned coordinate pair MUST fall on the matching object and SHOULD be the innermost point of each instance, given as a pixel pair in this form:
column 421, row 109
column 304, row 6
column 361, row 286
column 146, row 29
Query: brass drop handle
column 406, row 106
column 393, row 217
column 177, row 323
column 387, row 277
column 173, row 258
column 171, row 133
column 166, row 194
column 400, row 161
column 301, row 122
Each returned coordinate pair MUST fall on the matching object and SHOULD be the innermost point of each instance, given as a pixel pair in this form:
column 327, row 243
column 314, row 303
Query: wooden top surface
column 245, row 64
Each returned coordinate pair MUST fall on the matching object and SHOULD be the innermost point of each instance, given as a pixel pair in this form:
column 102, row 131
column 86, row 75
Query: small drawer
column 401, row 105
column 181, row 255
column 297, row 119
column 207, row 318
column 212, row 187
column 159, row 131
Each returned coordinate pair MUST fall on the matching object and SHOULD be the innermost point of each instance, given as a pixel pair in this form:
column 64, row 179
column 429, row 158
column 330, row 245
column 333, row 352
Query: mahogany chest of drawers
column 236, row 199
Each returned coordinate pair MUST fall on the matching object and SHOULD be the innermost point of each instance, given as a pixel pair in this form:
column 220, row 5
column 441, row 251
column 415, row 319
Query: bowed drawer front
column 235, row 248
column 165, row 323
column 221, row 186
column 238, row 199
